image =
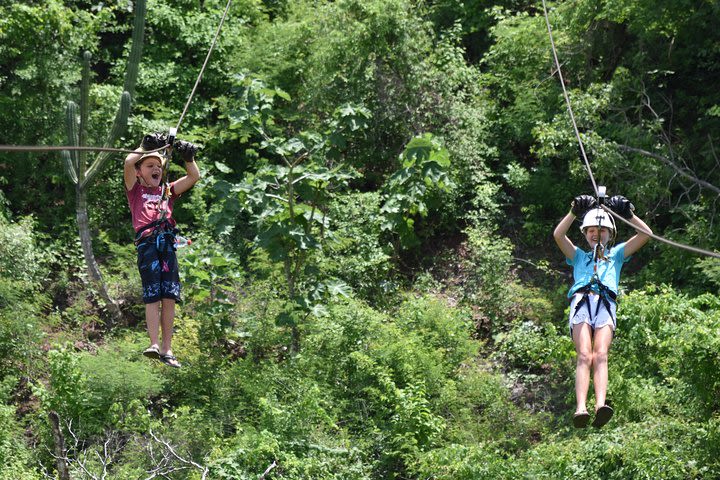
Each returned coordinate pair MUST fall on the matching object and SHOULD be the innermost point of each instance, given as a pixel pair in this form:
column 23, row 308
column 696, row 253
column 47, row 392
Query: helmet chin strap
column 599, row 250
column 165, row 190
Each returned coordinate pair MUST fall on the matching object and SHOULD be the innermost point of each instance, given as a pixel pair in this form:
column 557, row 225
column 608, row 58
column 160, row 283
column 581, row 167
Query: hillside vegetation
column 372, row 289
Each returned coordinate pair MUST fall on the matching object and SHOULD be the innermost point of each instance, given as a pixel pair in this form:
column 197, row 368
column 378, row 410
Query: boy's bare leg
column 601, row 345
column 167, row 320
column 582, row 337
column 152, row 320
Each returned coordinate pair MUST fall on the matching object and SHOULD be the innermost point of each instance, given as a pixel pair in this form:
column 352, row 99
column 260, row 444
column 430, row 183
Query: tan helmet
column 151, row 154
column 597, row 217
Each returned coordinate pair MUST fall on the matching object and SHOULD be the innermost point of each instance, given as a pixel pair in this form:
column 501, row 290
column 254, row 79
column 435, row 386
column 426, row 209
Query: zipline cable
column 587, row 163
column 662, row 239
column 567, row 101
column 53, row 148
column 202, row 70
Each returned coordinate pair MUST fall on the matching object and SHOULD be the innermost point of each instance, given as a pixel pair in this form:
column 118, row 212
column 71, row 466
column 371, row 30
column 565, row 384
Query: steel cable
column 53, row 148
column 587, row 163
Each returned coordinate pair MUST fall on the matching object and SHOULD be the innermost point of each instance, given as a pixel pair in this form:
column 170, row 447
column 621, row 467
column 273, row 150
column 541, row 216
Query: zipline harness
column 163, row 230
column 595, row 286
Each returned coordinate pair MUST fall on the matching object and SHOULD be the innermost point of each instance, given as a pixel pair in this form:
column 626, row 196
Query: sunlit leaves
column 411, row 191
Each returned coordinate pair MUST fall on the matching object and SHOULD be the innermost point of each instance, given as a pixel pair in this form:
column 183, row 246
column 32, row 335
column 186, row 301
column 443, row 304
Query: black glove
column 582, row 204
column 621, row 206
column 186, row 150
column 154, row 141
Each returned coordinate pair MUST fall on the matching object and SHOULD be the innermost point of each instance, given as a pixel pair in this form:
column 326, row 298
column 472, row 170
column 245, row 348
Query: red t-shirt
column 145, row 205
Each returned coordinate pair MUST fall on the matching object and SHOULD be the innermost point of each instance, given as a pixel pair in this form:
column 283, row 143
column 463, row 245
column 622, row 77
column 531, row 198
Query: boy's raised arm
column 129, row 170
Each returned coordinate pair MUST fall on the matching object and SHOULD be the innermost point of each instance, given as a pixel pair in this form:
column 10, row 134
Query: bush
column 97, row 391
column 673, row 340
column 355, row 253
column 14, row 453
column 20, row 313
column 535, row 348
column 488, row 270
column 480, row 410
column 461, row 462
column 662, row 448
column 22, row 267
column 21, row 258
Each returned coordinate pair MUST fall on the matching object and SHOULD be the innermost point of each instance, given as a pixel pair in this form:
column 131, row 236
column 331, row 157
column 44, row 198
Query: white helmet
column 597, row 217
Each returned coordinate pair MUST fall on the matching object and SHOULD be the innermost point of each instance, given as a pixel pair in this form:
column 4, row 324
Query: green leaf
column 222, row 167
column 338, row 288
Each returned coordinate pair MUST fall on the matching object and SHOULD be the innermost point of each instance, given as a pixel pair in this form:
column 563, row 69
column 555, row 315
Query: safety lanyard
column 165, row 190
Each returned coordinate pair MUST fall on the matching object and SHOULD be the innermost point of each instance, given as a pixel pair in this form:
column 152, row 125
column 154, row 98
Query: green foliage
column 415, row 189
column 15, row 455
column 710, row 267
column 22, row 265
column 355, row 253
column 655, row 449
column 293, row 218
column 488, row 270
column 210, row 277
column 99, row 391
column 20, row 333
column 287, row 203
column 672, row 338
column 21, row 257
column 535, row 348
column 474, row 462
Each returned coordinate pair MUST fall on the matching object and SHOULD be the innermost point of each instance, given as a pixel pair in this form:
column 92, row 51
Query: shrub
column 14, row 453
column 462, row 462
column 662, row 448
column 488, row 270
column 20, row 256
column 96, row 391
column 672, row 340
column 20, row 308
column 535, row 348
column 355, row 253
column 480, row 410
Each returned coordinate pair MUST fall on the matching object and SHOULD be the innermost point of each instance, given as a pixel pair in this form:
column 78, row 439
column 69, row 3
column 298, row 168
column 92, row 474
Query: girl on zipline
column 596, row 274
column 151, row 203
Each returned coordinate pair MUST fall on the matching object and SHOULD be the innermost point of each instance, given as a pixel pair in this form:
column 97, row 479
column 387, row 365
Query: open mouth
column 156, row 176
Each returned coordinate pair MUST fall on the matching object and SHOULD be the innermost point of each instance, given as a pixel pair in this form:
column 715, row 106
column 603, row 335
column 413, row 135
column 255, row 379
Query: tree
column 287, row 201
column 76, row 161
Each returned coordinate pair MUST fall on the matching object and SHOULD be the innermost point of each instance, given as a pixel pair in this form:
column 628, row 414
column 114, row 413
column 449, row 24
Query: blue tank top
column 608, row 270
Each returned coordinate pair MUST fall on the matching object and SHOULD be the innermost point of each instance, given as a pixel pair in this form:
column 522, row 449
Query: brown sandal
column 581, row 419
column 602, row 416
column 152, row 352
column 170, row 360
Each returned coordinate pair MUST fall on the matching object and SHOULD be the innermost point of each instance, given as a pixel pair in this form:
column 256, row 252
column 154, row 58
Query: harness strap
column 156, row 226
column 605, row 296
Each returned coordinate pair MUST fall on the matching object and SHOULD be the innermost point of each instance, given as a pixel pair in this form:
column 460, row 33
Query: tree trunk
column 60, row 457
column 92, row 266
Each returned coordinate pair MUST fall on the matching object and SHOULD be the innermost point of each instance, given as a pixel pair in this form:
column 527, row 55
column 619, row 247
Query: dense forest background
column 373, row 290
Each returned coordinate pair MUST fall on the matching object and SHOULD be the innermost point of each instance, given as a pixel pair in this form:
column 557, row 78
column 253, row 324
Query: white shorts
column 582, row 315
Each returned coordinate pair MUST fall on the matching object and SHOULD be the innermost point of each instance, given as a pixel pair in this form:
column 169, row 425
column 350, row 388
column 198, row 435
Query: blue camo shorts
column 582, row 315
column 158, row 271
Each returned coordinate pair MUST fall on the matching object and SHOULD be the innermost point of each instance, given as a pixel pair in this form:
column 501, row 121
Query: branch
column 680, row 171
column 277, row 197
column 267, row 470
column 172, row 451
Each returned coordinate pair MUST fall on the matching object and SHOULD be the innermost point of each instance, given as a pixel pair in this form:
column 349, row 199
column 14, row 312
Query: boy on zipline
column 596, row 274
column 151, row 203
